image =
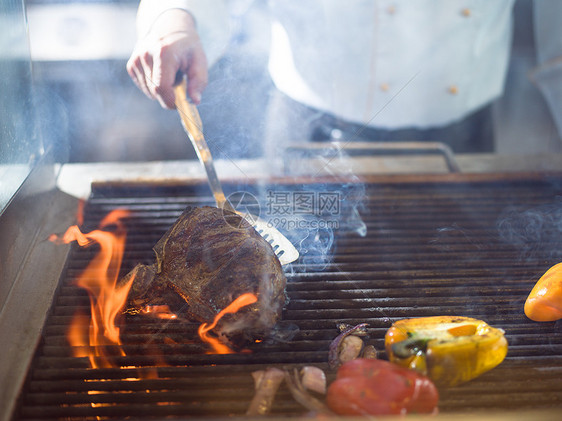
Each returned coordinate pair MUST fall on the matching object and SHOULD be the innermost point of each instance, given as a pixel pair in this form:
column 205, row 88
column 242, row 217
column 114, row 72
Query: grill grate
column 432, row 248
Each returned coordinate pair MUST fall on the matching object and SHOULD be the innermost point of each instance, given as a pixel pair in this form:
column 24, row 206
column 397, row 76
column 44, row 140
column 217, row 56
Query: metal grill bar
column 431, row 249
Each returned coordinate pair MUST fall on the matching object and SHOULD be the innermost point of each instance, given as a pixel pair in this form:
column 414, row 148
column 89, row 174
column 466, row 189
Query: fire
column 162, row 312
column 218, row 347
column 80, row 212
column 97, row 336
column 106, row 297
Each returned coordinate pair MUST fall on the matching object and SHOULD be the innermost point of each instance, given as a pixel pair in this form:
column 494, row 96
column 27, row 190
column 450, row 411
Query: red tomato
column 377, row 387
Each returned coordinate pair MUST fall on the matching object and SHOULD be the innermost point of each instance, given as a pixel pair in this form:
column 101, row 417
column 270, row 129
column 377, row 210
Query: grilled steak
column 207, row 259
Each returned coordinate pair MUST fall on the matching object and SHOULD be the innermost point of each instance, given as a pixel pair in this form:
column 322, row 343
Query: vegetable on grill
column 544, row 303
column 377, row 387
column 347, row 345
column 449, row 350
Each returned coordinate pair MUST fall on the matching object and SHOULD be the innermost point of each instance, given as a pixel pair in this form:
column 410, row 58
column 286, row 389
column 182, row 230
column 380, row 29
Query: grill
column 460, row 245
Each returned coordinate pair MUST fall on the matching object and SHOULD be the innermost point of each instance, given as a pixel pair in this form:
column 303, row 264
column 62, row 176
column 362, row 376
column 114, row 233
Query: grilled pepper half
column 544, row 303
column 377, row 387
column 449, row 350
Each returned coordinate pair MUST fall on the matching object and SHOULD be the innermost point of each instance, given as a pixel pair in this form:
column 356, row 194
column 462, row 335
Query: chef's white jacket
column 385, row 63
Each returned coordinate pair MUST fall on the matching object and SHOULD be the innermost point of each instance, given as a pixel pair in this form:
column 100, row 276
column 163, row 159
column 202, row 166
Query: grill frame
column 300, row 283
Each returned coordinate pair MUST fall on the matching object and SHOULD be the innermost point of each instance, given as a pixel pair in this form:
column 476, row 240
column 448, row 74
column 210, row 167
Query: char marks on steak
column 207, row 259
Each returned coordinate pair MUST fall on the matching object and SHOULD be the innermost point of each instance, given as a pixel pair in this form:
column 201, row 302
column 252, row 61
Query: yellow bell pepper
column 449, row 350
column 544, row 303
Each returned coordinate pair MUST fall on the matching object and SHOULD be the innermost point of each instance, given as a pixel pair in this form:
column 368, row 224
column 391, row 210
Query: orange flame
column 162, row 312
column 106, row 297
column 218, row 347
column 80, row 212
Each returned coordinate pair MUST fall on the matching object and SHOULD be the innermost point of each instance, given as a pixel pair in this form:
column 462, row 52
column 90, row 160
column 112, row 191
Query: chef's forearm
column 210, row 18
column 151, row 12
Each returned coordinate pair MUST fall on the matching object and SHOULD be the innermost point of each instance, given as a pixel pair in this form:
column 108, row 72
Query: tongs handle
column 193, row 126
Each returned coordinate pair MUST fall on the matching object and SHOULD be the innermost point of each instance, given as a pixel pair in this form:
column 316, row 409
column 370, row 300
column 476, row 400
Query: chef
column 353, row 70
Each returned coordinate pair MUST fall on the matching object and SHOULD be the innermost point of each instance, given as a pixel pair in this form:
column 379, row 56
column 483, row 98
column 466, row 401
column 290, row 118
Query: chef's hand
column 171, row 46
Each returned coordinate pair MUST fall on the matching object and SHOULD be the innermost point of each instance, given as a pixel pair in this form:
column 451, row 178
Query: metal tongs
column 283, row 248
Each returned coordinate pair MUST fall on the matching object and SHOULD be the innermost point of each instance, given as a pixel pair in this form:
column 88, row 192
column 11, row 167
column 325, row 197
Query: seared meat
column 207, row 259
